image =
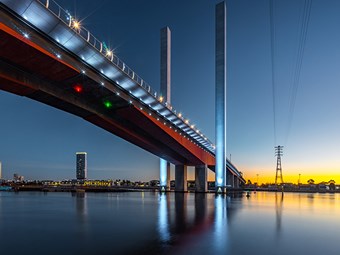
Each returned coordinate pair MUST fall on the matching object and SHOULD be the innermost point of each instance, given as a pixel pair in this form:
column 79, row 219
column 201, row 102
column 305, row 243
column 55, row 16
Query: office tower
column 81, row 165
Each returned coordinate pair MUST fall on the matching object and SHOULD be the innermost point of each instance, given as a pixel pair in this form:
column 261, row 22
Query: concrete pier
column 236, row 183
column 201, row 176
column 164, row 175
column 181, row 184
column 230, row 180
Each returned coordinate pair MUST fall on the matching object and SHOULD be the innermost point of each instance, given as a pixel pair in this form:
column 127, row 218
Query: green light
column 108, row 104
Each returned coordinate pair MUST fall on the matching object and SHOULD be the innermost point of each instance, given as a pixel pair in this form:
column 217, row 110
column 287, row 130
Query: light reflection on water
column 174, row 223
column 220, row 236
column 163, row 218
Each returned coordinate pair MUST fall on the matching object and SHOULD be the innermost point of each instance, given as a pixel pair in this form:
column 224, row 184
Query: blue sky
column 40, row 142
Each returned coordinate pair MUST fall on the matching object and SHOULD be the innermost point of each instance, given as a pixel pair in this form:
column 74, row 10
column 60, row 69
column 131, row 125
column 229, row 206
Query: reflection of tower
column 181, row 223
column 81, row 212
column 278, row 205
column 200, row 207
column 81, row 204
column 221, row 225
column 163, row 217
column 278, row 153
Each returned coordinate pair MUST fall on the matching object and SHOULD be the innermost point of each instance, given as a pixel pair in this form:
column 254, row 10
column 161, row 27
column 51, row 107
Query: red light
column 78, row 88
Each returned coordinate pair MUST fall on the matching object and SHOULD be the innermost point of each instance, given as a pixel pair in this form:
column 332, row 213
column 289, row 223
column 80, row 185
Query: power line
column 298, row 64
column 272, row 49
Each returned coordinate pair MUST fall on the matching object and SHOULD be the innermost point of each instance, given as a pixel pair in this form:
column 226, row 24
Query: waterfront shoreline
column 79, row 189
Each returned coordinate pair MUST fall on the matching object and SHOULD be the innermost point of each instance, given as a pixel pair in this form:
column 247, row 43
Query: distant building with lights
column 0, row 171
column 18, row 178
column 81, row 165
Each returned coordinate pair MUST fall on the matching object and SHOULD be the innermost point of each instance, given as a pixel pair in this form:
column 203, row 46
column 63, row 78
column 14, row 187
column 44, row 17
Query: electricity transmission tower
column 278, row 154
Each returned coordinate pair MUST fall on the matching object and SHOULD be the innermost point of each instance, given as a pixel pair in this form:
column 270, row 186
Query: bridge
column 46, row 55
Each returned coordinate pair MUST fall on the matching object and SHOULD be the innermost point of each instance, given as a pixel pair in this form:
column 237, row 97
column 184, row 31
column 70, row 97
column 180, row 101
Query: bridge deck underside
column 32, row 69
column 27, row 70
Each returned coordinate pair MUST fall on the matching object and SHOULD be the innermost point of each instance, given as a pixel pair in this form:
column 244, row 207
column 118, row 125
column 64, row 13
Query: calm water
column 150, row 223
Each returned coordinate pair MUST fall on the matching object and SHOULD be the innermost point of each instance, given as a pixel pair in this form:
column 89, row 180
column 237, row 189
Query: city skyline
column 35, row 132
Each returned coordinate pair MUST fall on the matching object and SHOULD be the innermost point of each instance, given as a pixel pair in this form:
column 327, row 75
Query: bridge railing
column 67, row 18
column 85, row 34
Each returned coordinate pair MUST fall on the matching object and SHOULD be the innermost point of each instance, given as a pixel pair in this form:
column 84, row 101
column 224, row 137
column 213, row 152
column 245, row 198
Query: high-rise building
column 81, row 165
column 0, row 171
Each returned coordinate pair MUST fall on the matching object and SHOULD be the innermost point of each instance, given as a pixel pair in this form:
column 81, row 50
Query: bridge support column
column 164, row 175
column 181, row 184
column 201, row 173
column 236, row 182
column 230, row 180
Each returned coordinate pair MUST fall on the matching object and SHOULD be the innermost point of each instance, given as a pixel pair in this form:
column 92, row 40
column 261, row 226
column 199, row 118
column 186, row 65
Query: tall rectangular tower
column 166, row 64
column 221, row 95
column 164, row 170
column 81, row 165
column 0, row 171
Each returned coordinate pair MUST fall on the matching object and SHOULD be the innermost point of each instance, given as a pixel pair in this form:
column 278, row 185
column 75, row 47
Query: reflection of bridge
column 206, row 222
column 47, row 56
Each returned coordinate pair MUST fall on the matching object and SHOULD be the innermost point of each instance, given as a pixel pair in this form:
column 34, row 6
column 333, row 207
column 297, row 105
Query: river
column 173, row 223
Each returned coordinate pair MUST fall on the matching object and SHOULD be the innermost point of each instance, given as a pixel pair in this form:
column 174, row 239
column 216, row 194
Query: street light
column 76, row 25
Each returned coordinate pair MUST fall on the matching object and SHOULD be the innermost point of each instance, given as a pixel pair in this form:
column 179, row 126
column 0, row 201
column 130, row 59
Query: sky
column 40, row 142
